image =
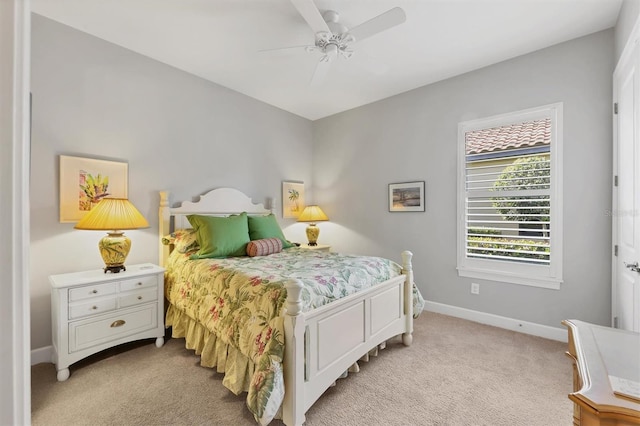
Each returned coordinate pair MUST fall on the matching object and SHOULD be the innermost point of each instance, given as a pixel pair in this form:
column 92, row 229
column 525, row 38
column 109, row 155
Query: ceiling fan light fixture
column 331, row 50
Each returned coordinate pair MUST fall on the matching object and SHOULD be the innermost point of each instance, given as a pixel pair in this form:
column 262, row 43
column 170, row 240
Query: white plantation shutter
column 511, row 221
column 508, row 196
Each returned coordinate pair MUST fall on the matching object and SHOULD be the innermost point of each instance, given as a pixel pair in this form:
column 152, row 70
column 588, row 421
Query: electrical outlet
column 475, row 288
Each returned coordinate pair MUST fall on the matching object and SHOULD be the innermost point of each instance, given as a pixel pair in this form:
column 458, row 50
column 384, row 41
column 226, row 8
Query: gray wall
column 626, row 20
column 176, row 131
column 413, row 136
column 181, row 133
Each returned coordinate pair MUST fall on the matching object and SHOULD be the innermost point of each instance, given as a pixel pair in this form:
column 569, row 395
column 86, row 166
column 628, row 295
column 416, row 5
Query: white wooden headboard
column 218, row 202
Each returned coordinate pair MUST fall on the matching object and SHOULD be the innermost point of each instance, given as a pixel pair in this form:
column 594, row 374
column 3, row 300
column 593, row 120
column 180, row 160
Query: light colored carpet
column 456, row 373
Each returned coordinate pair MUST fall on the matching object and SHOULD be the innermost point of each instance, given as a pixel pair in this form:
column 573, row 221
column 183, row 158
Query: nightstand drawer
column 92, row 307
column 142, row 282
column 86, row 292
column 95, row 331
column 137, row 297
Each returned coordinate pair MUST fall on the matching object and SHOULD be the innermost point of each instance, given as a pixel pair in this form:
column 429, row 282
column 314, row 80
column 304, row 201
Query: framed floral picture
column 292, row 199
column 406, row 197
column 86, row 181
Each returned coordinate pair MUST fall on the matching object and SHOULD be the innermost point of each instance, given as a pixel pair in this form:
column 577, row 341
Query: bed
column 282, row 325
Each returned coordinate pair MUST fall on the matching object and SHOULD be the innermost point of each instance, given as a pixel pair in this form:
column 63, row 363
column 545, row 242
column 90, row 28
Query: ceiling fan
column 333, row 39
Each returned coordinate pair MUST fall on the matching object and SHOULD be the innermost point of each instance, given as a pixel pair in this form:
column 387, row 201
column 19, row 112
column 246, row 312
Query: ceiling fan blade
column 283, row 51
column 380, row 23
column 312, row 15
column 322, row 68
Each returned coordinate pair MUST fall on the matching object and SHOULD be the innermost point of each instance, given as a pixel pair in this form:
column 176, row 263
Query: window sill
column 511, row 278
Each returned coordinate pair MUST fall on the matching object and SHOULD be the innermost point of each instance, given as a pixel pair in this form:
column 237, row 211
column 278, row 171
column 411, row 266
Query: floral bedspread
column 240, row 302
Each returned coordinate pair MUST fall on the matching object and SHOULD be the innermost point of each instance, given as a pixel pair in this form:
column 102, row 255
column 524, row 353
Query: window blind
column 508, row 202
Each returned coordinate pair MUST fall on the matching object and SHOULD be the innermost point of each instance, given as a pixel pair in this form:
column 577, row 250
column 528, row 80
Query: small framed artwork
column 406, row 197
column 86, row 181
column 292, row 199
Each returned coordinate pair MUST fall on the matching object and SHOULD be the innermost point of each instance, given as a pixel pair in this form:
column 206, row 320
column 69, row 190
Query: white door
column 626, row 215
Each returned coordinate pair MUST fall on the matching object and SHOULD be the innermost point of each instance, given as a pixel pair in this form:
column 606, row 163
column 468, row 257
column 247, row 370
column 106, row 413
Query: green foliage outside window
column 489, row 245
column 523, row 174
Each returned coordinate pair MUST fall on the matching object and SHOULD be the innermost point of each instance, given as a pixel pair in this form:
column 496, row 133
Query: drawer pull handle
column 94, row 307
column 117, row 323
column 139, row 283
column 94, row 291
column 139, row 297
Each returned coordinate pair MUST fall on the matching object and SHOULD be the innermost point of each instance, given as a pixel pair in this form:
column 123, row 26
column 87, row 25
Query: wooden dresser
column 597, row 353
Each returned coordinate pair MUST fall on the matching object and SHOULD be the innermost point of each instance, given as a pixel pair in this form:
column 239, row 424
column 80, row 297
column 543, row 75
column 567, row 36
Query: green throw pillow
column 220, row 237
column 262, row 227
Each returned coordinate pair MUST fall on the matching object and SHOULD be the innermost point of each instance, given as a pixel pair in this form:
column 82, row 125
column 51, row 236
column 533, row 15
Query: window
column 509, row 197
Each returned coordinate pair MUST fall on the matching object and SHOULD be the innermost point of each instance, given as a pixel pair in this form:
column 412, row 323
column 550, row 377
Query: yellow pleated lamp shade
column 312, row 214
column 113, row 214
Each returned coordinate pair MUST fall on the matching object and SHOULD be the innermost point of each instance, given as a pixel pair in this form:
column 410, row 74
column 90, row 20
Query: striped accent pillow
column 264, row 247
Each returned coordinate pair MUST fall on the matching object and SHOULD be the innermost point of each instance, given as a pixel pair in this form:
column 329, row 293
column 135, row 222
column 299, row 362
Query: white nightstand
column 93, row 310
column 320, row 247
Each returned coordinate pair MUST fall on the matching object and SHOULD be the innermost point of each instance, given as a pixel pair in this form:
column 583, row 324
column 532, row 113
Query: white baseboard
column 553, row 333
column 41, row 355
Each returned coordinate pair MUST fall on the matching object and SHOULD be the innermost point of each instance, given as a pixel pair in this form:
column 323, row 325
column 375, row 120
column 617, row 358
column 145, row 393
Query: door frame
column 15, row 366
column 627, row 52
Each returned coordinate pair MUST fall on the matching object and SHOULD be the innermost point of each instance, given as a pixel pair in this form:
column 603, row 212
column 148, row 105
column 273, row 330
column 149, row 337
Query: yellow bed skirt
column 213, row 352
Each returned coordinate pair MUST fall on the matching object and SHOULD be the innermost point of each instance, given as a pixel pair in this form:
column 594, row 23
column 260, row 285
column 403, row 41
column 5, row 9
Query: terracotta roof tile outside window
column 521, row 135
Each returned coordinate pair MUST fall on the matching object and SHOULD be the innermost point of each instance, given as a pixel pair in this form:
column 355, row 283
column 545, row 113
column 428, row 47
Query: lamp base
column 114, row 269
column 312, row 234
column 114, row 249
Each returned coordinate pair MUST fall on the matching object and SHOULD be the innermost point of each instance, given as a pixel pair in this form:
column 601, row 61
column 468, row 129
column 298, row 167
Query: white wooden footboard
column 320, row 345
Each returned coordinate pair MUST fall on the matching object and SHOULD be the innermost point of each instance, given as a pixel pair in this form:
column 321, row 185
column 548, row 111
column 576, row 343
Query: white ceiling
column 220, row 40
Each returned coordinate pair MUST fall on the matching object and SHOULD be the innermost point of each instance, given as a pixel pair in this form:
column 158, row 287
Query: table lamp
column 312, row 214
column 113, row 215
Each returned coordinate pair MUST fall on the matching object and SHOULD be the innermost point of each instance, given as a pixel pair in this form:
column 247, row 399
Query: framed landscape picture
column 406, row 197
column 292, row 199
column 86, row 181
